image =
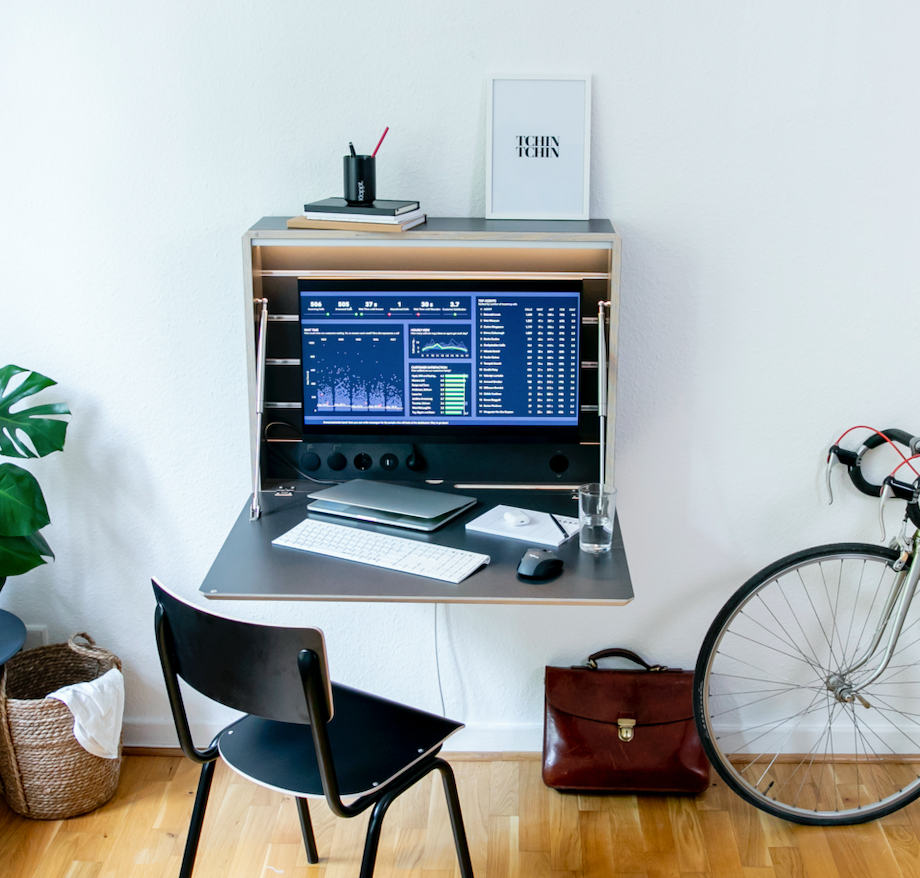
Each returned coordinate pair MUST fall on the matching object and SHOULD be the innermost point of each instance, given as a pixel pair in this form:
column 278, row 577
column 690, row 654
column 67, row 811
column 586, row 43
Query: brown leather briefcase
column 622, row 730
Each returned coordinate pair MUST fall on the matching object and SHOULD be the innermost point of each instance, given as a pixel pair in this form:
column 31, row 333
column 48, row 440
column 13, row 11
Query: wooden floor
column 516, row 827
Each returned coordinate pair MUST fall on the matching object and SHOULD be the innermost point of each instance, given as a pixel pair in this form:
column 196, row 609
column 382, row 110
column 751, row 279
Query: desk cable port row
column 382, row 550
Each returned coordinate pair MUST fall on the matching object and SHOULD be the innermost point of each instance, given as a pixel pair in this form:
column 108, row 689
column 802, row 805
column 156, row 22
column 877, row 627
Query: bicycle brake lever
column 831, row 460
column 887, row 492
column 836, row 454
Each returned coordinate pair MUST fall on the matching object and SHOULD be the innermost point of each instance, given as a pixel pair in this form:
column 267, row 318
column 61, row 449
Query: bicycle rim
column 774, row 678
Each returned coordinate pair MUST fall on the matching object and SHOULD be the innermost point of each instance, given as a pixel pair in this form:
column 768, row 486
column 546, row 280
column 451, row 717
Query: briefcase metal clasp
column 627, row 729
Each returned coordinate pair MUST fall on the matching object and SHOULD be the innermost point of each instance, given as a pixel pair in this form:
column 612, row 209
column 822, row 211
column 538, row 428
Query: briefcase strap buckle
column 627, row 729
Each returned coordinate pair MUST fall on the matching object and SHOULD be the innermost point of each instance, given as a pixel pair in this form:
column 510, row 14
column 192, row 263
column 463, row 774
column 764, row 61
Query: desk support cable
column 602, row 307
column 255, row 511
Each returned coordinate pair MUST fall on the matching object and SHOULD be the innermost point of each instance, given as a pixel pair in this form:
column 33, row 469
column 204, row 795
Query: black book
column 377, row 208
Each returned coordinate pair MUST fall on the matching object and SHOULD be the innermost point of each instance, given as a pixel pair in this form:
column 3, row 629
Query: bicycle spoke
column 788, row 638
column 754, row 680
column 862, row 572
column 856, row 737
column 766, row 646
column 910, row 717
column 779, row 748
column 899, row 669
column 814, row 753
column 916, row 621
column 775, row 725
column 827, row 639
column 829, row 745
column 898, row 683
column 836, row 606
column 871, row 608
column 738, row 707
column 776, row 679
column 877, row 762
column 798, row 622
column 881, row 740
column 830, row 720
column 901, row 648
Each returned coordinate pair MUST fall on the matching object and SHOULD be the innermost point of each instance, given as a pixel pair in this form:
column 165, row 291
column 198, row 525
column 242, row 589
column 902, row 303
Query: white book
column 399, row 220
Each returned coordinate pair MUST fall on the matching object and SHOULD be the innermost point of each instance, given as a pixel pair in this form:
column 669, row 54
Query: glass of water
column 596, row 505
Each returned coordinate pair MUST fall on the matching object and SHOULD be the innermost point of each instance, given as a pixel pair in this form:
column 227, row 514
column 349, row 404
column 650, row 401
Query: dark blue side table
column 12, row 636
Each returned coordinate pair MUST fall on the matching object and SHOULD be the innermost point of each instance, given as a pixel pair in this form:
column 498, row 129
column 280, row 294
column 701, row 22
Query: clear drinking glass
column 596, row 506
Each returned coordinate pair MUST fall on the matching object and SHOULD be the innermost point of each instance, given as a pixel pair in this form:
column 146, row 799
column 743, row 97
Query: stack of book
column 380, row 216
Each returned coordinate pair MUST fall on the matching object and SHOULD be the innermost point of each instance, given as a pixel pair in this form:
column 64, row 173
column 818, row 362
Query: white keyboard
column 382, row 550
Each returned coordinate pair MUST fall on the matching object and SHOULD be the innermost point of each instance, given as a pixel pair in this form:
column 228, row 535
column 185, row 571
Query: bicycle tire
column 779, row 735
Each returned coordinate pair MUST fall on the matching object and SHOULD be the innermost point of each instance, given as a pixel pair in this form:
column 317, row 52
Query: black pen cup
column 360, row 179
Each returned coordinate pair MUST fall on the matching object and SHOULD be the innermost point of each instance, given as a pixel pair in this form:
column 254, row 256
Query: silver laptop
column 385, row 503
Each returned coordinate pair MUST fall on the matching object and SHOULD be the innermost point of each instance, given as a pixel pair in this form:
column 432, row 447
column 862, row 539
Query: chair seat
column 372, row 739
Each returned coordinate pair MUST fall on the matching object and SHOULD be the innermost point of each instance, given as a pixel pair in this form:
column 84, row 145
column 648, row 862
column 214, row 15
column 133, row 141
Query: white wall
column 759, row 160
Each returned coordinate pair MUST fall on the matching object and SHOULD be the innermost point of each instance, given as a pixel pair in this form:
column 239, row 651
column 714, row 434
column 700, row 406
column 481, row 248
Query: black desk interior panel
column 249, row 566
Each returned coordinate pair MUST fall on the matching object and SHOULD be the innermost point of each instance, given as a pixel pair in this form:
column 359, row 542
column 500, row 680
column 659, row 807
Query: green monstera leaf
column 46, row 434
column 28, row 432
column 22, row 505
column 20, row 554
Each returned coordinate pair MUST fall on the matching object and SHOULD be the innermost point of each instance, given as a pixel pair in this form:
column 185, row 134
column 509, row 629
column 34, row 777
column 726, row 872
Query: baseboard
column 484, row 738
column 159, row 738
column 128, row 750
column 452, row 756
column 140, row 735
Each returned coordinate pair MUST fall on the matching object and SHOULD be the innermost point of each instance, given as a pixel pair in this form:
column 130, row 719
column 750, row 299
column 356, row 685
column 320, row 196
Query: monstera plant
column 24, row 433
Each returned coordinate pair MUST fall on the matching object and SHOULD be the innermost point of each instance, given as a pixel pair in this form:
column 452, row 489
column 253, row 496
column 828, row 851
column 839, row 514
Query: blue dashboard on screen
column 415, row 354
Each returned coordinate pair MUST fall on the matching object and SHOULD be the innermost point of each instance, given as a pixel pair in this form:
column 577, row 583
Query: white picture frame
column 538, row 147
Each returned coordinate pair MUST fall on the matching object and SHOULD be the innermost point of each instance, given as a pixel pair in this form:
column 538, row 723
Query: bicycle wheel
column 775, row 674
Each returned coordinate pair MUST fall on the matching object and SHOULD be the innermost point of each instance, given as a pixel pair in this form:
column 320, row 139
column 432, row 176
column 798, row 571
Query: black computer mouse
column 539, row 564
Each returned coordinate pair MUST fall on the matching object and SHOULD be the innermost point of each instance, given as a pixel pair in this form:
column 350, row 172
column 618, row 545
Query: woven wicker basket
column 46, row 774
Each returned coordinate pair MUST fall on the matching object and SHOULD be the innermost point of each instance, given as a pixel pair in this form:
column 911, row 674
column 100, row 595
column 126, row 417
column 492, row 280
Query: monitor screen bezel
column 525, row 434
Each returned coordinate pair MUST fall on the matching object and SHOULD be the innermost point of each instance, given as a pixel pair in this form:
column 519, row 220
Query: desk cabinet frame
column 441, row 249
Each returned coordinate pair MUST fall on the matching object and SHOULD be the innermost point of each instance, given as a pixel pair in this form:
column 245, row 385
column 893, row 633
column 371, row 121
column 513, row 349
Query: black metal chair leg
column 306, row 830
column 194, row 829
column 456, row 818
column 374, row 825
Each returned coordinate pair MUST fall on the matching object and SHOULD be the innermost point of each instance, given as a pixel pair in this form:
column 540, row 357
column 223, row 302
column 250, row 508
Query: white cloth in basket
column 98, row 708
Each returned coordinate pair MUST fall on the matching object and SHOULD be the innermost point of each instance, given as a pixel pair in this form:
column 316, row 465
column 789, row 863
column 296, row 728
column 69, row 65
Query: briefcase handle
column 616, row 652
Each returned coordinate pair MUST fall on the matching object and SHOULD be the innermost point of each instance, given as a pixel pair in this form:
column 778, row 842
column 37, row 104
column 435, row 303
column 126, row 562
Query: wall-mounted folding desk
column 524, row 474
column 249, row 566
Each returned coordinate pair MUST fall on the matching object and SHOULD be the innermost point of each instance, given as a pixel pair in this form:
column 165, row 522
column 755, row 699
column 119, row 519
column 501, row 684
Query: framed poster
column 538, row 147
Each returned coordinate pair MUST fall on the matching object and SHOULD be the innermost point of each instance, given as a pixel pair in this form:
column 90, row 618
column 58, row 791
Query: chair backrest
column 245, row 665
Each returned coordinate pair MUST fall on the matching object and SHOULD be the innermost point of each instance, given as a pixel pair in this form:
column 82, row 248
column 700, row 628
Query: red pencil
column 380, row 141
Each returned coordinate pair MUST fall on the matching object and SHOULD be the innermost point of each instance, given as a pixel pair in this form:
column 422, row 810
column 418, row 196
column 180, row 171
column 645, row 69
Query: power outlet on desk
column 473, row 461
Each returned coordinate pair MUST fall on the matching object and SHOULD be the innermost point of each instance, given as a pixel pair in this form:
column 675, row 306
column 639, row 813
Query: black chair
column 303, row 735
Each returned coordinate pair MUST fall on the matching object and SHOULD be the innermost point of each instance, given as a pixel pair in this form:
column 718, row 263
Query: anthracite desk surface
column 250, row 567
